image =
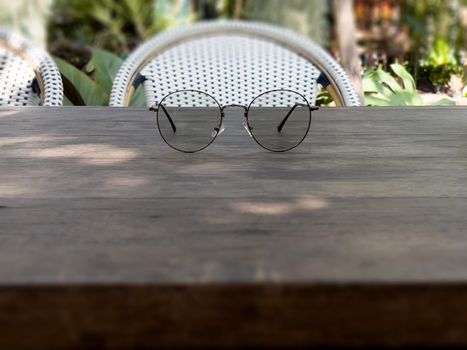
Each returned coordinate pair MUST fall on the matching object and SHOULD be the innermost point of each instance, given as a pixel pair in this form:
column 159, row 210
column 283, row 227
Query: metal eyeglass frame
column 218, row 130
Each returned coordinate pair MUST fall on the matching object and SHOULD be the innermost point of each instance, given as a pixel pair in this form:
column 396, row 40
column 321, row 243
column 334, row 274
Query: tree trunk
column 238, row 10
column 347, row 41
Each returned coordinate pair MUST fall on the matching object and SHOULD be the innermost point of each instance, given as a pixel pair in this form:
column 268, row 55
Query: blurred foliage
column 80, row 31
column 324, row 99
column 117, row 26
column 428, row 22
column 383, row 89
column 169, row 14
column 26, row 16
column 442, row 63
column 307, row 17
column 92, row 85
column 103, row 68
column 88, row 92
column 74, row 53
column 90, row 38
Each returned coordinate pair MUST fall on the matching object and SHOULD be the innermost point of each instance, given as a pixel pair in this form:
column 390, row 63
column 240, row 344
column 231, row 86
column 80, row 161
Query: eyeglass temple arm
column 281, row 125
column 174, row 128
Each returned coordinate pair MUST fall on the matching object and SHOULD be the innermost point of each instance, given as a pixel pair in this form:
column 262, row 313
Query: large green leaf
column 369, row 83
column 405, row 98
column 372, row 100
column 388, row 79
column 139, row 100
column 401, row 72
column 104, row 66
column 372, row 83
column 66, row 101
column 91, row 93
column 383, row 89
column 376, row 85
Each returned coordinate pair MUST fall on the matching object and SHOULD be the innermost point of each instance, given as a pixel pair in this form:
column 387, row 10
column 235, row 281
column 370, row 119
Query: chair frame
column 334, row 79
column 47, row 74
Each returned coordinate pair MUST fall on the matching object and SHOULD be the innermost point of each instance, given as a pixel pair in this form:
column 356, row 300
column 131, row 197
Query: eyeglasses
column 190, row 120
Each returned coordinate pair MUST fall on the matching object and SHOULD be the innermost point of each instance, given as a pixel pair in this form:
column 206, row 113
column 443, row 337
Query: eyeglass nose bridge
column 245, row 109
column 245, row 123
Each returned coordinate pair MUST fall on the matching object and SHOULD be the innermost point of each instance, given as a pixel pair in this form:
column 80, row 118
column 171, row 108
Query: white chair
column 28, row 75
column 234, row 62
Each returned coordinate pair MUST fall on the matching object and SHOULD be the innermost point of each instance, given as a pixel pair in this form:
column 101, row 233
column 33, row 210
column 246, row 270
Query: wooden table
column 110, row 239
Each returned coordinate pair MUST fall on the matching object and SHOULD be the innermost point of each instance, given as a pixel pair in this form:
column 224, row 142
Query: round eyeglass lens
column 189, row 121
column 279, row 120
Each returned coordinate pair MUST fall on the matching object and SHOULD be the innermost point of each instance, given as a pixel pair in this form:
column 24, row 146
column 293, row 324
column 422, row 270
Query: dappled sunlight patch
column 262, row 208
column 312, row 203
column 16, row 189
column 280, row 208
column 123, row 181
column 90, row 154
column 8, row 141
column 204, row 167
column 223, row 219
column 8, row 112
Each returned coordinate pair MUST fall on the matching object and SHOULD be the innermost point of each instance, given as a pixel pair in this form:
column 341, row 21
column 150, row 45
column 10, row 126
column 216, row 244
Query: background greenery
column 80, row 31
column 91, row 38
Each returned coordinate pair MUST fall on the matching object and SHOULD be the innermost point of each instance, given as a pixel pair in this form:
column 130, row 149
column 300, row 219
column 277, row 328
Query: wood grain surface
column 110, row 239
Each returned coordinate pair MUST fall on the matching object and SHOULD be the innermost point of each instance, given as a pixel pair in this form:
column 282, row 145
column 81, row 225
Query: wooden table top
column 357, row 237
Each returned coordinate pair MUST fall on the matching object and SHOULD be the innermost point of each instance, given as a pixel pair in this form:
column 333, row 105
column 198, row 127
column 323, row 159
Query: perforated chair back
column 28, row 75
column 232, row 61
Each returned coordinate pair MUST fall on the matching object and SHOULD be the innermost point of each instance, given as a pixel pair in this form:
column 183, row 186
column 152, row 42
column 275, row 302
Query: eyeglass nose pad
column 217, row 131
column 247, row 128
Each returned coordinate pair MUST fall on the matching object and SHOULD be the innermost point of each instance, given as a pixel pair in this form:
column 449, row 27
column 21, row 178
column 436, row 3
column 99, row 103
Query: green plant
column 383, row 89
column 428, row 21
column 92, row 85
column 169, row 13
column 87, row 92
column 441, row 63
column 307, row 17
column 233, row 8
column 117, row 26
column 324, row 99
